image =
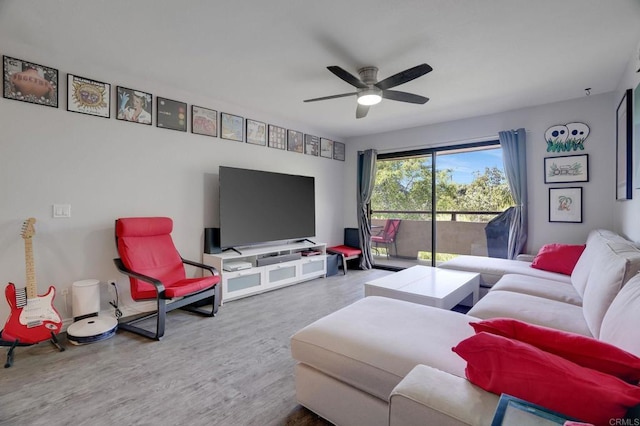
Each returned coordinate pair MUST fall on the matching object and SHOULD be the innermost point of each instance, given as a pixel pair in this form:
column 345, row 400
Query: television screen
column 258, row 206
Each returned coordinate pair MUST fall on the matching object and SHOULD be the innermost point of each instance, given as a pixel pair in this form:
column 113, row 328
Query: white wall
column 626, row 212
column 107, row 169
column 598, row 193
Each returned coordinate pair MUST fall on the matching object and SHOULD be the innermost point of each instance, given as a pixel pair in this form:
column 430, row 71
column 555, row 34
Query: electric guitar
column 33, row 318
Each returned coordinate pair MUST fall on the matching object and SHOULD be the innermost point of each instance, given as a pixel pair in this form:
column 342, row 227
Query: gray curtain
column 366, row 182
column 515, row 167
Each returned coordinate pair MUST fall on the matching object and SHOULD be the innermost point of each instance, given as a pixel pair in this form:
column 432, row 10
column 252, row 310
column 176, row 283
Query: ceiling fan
column 371, row 91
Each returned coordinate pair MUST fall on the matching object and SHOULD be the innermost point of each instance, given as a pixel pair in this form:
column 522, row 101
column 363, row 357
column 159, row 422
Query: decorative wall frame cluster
column 29, row 82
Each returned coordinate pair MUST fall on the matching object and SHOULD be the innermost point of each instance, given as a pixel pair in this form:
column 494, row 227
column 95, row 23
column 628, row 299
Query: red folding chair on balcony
column 388, row 236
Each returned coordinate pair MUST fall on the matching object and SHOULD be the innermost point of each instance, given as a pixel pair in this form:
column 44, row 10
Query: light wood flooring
column 235, row 369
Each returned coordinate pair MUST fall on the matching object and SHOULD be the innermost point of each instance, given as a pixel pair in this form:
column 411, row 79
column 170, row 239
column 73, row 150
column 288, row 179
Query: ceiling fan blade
column 404, row 76
column 362, row 111
column 331, row 97
column 347, row 76
column 395, row 95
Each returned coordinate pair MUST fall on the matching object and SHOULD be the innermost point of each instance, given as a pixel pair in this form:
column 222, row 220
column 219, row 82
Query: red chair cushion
column 561, row 258
column 345, row 250
column 585, row 351
column 181, row 288
column 145, row 246
column 501, row 365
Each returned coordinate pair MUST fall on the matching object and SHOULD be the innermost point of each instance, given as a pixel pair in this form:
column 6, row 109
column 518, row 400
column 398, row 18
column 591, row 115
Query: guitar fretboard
column 32, row 286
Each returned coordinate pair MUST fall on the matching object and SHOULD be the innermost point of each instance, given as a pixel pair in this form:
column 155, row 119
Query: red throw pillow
column 561, row 258
column 585, row 351
column 501, row 365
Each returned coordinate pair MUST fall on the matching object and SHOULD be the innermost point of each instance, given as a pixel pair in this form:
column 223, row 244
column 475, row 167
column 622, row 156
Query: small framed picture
column 569, row 168
column 231, row 127
column 171, row 114
column 88, row 96
column 311, row 145
column 204, row 121
column 296, row 141
column 277, row 137
column 134, row 105
column 256, row 132
column 338, row 151
column 326, row 148
column 28, row 82
column 565, row 205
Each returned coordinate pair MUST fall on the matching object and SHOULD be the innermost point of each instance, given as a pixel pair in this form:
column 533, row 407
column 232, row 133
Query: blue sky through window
column 464, row 164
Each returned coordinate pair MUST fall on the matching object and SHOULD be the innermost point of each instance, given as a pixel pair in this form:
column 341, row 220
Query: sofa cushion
column 531, row 309
column 612, row 269
column 561, row 258
column 491, row 269
column 582, row 350
column 596, row 244
column 375, row 342
column 501, row 365
column 534, row 286
column 620, row 325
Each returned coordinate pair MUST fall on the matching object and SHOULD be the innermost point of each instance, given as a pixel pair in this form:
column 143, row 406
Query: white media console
column 267, row 267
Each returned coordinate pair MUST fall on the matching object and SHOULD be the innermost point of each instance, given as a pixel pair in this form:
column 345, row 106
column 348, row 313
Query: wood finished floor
column 235, row 369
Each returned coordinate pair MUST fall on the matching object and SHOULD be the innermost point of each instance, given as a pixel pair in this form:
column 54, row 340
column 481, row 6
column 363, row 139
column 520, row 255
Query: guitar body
column 33, row 322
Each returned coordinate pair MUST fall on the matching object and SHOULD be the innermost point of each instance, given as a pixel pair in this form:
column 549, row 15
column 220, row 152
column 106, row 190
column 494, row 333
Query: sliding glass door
column 462, row 187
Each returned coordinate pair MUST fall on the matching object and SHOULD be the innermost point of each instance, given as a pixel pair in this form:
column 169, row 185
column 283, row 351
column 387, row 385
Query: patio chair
column 388, row 236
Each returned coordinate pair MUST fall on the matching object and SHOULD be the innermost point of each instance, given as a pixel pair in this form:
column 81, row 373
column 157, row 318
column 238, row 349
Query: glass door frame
column 423, row 152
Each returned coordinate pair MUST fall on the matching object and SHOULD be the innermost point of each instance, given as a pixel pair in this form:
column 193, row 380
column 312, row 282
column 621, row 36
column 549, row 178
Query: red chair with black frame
column 388, row 235
column 156, row 271
column 350, row 249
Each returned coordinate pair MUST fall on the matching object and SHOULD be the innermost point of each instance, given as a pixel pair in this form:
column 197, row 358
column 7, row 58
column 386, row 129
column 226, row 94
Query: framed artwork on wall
column 134, row 105
column 296, row 141
column 28, row 82
column 624, row 144
column 338, row 151
column 171, row 114
column 568, row 168
column 565, row 205
column 311, row 145
column 277, row 137
column 326, row 148
column 88, row 96
column 636, row 134
column 231, row 127
column 256, row 132
column 204, row 121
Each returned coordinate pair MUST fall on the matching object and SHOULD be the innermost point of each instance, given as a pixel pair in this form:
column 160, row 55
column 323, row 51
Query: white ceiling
column 488, row 56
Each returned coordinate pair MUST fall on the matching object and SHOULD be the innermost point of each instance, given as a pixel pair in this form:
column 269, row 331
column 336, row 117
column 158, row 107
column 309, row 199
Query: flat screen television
column 258, row 207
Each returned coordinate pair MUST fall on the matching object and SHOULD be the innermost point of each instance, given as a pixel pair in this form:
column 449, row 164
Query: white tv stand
column 258, row 279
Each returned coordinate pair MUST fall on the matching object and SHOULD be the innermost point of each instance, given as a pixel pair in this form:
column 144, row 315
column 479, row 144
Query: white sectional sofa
column 382, row 361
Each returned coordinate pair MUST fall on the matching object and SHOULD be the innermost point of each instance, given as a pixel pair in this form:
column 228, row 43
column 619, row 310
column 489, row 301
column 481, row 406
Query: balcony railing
column 457, row 232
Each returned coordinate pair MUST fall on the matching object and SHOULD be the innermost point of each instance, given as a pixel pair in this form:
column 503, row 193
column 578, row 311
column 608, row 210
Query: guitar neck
column 32, row 286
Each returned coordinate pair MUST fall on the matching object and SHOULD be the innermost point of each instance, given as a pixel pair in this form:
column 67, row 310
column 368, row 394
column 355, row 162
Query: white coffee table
column 442, row 288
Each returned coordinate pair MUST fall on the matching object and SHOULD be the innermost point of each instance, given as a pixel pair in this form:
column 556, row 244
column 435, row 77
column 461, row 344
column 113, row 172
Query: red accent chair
column 156, row 271
column 388, row 235
column 347, row 250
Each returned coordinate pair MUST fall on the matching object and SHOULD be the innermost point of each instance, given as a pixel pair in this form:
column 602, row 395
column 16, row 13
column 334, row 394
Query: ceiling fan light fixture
column 370, row 96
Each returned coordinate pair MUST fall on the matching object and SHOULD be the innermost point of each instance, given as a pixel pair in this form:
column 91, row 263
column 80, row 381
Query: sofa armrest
column 428, row 396
column 526, row 257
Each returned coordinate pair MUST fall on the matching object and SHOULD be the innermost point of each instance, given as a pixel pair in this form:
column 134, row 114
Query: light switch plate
column 62, row 210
